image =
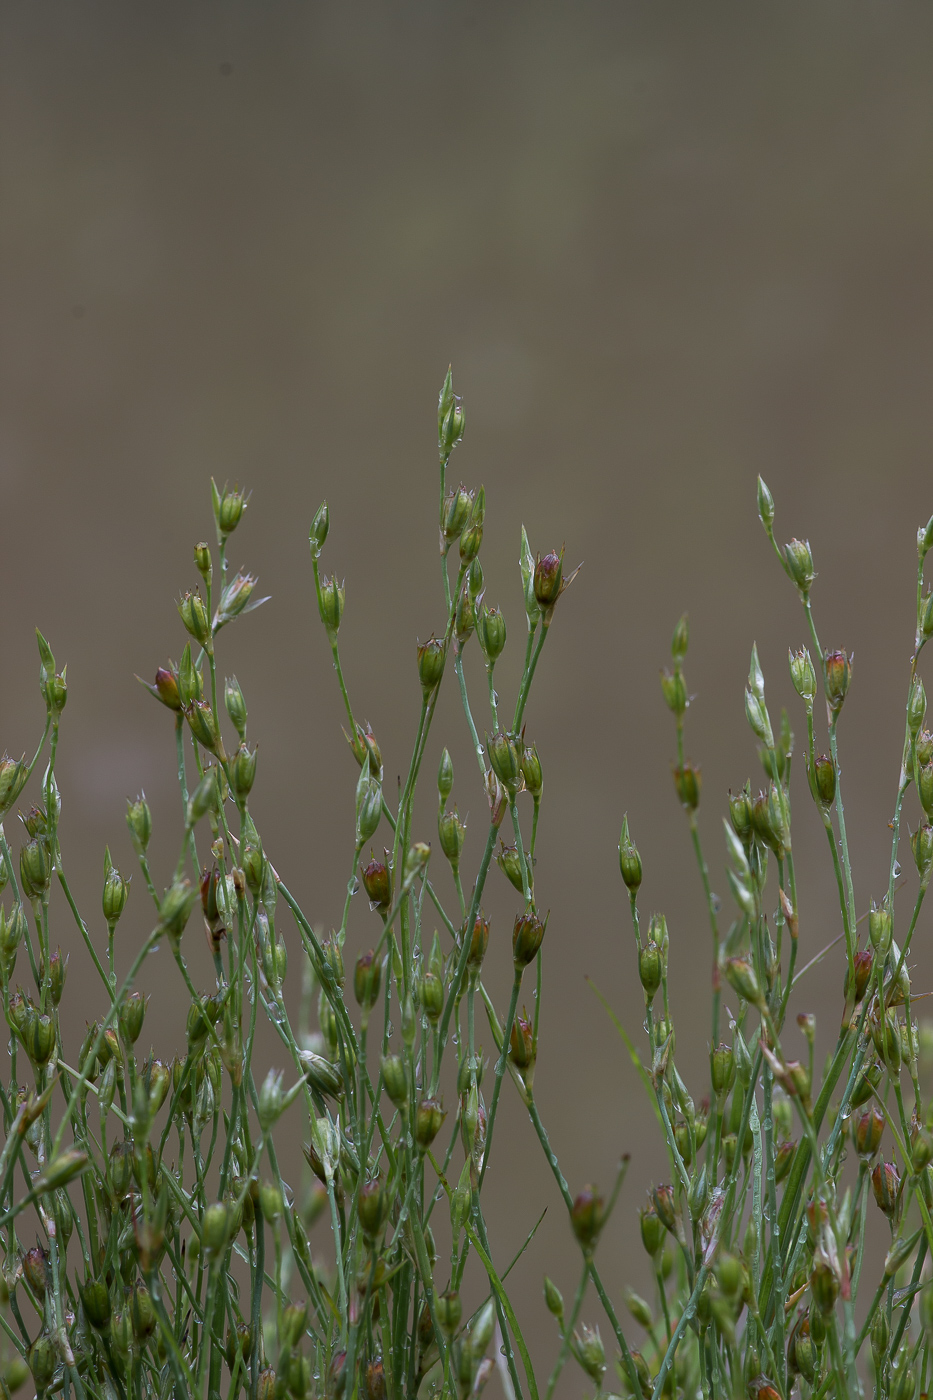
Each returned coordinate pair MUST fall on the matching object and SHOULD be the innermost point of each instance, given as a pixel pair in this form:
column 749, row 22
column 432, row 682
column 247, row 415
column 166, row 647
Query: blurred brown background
column 665, row 248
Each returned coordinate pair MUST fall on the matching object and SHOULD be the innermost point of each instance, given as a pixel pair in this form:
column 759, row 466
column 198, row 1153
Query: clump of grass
column 173, row 1259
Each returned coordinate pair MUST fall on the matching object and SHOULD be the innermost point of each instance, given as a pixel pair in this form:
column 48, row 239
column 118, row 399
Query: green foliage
column 171, row 1253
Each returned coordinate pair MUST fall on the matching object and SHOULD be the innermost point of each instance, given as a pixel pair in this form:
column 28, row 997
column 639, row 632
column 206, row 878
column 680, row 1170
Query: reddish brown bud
column 838, row 671
column 867, row 1130
column 478, row 942
column 586, row 1217
column 377, row 883
column 886, row 1182
column 521, row 1042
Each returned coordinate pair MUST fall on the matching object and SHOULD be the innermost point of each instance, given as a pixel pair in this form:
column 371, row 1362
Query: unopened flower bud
column 13, row 776
column 449, row 419
column 451, row 833
column 527, row 937
column 521, row 1043
column 479, row 941
column 783, row 1159
column 674, row 689
column 629, row 860
column 431, row 657
column 131, row 1015
column 367, row 978
column 235, row 599
column 553, row 1299
column 139, row 821
column 867, row 1131
column 586, row 1217
column 588, row 1350
column 176, row 906
column 243, row 771
column 228, row 508
column 547, row 578
column 802, row 673
column 455, row 512
column 373, row 1208
column 95, row 1299
column 824, row 1286
column 505, row 757
column 650, row 969
column 395, row 1080
column 35, row 868
column 800, row 565
column 722, row 1070
column 916, row 707
column 921, row 844
column 472, row 536
column 165, row 687
column 445, row 776
column 429, row 1119
column 652, row 1230
column 36, row 1270
column 838, row 668
column 368, row 808
column 193, row 614
column 865, row 1085
column 203, row 726
column 330, row 603
column 742, row 978
column 886, row 1181
column 879, row 930
column 43, row 1358
column 490, row 629
column 235, row 705
column 319, row 528
column 377, row 883
column 824, row 779
column 687, row 784
column 857, row 980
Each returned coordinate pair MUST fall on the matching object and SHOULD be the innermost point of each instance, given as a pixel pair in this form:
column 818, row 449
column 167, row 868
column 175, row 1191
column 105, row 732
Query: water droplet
column 897, row 868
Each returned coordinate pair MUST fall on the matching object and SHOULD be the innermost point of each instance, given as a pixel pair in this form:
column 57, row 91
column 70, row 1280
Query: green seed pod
column 243, row 771
column 867, row 1082
column 554, row 1300
column 824, row 780
column 629, row 860
column 13, row 776
column 42, row 1358
column 228, row 507
column 395, row 1079
column 451, row 833
column 142, row 1314
column 374, row 1207
column 531, row 771
column 509, row 862
column 455, row 512
column 505, row 757
column 215, row 1227
column 802, row 673
column 674, row 690
column 131, row 1015
column 431, row 996
column 193, row 614
column 318, row 532
column 35, row 868
column 139, row 821
column 652, row 1230
column 800, row 564
column 431, row 658
column 203, row 726
column 95, row 1299
column 116, row 889
column 449, row 1310
column 429, row 1120
column 650, row 969
column 490, row 629
column 445, row 776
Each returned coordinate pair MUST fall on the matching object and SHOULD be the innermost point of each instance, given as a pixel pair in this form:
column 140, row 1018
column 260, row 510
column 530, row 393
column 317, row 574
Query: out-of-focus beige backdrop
column 665, row 248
